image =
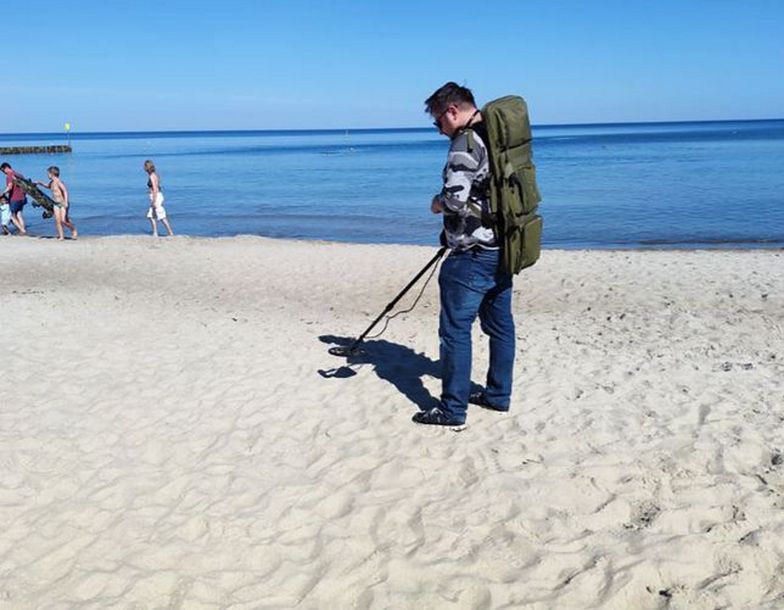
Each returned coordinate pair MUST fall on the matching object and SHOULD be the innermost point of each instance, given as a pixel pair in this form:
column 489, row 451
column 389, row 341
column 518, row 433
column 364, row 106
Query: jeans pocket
column 457, row 275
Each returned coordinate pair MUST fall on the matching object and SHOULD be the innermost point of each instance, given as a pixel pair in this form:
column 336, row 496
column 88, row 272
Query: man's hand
column 436, row 206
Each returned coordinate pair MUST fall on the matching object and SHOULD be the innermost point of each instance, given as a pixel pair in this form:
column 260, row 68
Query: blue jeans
column 471, row 284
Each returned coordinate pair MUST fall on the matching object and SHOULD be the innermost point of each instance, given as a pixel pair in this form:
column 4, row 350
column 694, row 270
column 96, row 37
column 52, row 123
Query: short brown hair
column 450, row 93
column 54, row 170
column 149, row 166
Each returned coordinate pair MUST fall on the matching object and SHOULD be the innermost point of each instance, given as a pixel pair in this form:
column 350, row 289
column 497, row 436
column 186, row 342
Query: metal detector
column 354, row 349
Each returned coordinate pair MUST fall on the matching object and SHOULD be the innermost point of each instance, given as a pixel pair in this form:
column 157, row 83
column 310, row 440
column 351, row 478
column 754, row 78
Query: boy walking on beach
column 16, row 196
column 470, row 280
column 61, row 202
column 5, row 214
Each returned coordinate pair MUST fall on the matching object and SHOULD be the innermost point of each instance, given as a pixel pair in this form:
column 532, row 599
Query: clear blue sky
column 268, row 64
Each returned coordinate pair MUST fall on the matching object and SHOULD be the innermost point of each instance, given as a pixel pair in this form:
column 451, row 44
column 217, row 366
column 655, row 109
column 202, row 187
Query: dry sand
column 173, row 433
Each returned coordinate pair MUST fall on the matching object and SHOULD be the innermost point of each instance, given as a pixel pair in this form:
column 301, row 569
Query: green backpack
column 514, row 196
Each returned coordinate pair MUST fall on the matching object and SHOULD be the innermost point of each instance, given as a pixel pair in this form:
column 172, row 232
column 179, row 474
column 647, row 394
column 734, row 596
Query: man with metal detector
column 471, row 280
column 16, row 199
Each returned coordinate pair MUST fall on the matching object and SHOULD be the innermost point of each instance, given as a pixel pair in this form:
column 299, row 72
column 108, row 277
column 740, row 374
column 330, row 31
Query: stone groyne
column 32, row 150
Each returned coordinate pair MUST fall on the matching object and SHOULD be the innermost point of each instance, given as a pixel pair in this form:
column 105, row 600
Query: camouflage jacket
column 464, row 195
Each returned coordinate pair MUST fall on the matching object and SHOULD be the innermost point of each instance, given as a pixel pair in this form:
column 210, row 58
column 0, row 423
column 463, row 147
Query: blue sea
column 641, row 185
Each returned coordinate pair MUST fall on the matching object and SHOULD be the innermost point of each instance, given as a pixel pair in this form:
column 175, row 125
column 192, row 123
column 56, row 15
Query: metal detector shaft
column 400, row 295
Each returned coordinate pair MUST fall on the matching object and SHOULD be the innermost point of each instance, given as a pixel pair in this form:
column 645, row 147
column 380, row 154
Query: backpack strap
column 469, row 132
column 469, row 139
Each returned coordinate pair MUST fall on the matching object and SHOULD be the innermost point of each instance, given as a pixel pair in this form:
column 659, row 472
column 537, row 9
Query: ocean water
column 685, row 185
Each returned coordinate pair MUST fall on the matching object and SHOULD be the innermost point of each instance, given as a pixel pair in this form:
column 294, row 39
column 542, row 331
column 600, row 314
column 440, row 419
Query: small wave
column 714, row 241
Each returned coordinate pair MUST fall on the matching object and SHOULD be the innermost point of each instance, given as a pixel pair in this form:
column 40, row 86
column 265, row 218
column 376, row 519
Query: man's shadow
column 399, row 365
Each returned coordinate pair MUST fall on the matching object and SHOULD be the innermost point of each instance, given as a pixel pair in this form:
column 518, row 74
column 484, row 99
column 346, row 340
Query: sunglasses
column 437, row 122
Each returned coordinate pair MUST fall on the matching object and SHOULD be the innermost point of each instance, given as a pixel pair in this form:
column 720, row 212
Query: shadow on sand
column 399, row 365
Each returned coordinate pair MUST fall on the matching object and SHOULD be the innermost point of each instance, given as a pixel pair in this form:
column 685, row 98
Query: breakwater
column 34, row 150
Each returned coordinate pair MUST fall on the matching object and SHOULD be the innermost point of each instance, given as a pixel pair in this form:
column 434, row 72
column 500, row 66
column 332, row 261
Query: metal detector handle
column 400, row 295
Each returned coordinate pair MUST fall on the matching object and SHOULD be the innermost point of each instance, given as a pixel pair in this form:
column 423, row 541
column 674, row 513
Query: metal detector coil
column 348, row 351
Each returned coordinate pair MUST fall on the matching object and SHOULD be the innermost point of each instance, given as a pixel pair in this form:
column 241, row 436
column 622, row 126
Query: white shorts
column 5, row 214
column 159, row 210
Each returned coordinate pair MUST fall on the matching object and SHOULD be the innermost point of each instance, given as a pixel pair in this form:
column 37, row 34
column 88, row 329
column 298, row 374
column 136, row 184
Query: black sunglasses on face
column 437, row 122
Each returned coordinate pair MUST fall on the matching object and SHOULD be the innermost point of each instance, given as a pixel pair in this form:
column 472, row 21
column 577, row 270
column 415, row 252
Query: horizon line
column 369, row 129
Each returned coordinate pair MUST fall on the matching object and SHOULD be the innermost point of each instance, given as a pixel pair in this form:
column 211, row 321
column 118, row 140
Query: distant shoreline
column 725, row 246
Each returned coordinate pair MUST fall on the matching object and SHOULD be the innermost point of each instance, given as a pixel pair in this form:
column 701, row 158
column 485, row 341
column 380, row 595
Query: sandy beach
column 174, row 434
